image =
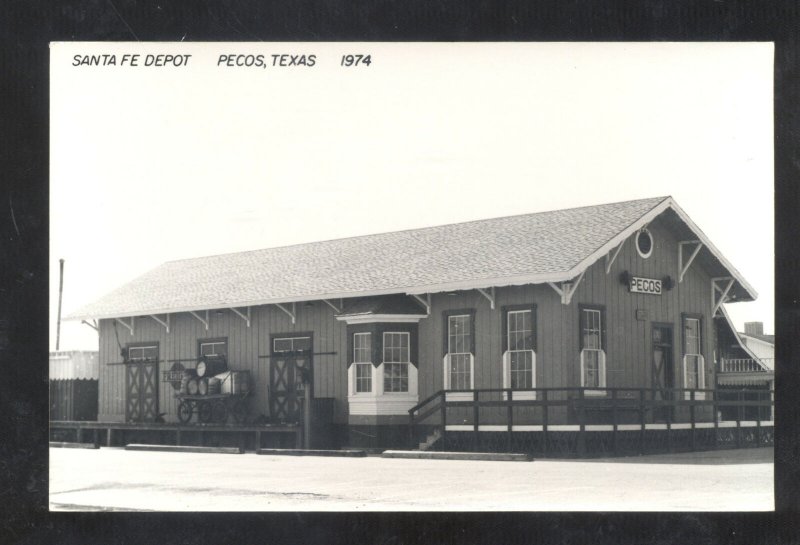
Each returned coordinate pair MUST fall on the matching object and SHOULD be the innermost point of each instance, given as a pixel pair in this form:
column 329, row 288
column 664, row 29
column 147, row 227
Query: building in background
column 73, row 385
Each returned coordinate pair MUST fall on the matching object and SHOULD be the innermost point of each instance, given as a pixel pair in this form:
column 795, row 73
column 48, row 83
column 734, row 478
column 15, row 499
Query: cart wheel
column 185, row 411
column 219, row 412
column 239, row 411
column 204, row 411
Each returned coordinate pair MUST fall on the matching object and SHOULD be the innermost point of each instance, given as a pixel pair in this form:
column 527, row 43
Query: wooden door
column 663, row 369
column 290, row 369
column 141, row 384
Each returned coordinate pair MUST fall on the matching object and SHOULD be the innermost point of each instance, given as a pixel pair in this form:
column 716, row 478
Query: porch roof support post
column 336, row 309
column 567, row 288
column 245, row 317
column 292, row 313
column 610, row 260
column 165, row 323
column 90, row 325
column 201, row 320
column 424, row 302
column 129, row 327
column 682, row 268
column 569, row 292
column 723, row 295
column 489, row 295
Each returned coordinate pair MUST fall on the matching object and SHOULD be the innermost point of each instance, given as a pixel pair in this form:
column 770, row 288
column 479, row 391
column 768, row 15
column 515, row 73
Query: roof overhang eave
column 668, row 202
column 413, row 290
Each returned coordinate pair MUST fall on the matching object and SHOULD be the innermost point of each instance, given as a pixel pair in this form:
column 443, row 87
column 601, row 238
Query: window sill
column 595, row 393
column 698, row 396
column 520, row 395
column 459, row 396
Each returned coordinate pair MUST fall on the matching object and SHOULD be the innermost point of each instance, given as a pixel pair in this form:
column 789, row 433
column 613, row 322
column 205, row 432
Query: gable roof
column 524, row 249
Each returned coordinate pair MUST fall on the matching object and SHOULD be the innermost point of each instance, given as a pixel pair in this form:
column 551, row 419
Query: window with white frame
column 362, row 361
column 212, row 348
column 520, row 355
column 459, row 351
column 593, row 372
column 396, row 348
column 693, row 362
column 142, row 353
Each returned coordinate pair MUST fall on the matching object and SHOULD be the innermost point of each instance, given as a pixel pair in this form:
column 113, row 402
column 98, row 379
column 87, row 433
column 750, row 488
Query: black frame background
column 26, row 27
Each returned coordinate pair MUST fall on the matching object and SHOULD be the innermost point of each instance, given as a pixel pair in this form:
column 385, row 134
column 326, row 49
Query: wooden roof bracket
column 204, row 322
column 336, row 309
column 682, row 268
column 717, row 302
column 93, row 326
column 567, row 288
column 129, row 327
column 292, row 313
column 245, row 317
column 489, row 295
column 611, row 258
column 162, row 322
column 424, row 302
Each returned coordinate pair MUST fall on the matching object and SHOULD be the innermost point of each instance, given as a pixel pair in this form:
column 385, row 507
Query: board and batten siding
column 245, row 345
column 629, row 347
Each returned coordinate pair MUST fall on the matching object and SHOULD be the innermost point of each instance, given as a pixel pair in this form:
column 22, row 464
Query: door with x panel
column 141, row 384
column 663, row 370
column 290, row 372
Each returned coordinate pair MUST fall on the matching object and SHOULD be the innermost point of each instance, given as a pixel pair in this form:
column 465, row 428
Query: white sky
column 152, row 164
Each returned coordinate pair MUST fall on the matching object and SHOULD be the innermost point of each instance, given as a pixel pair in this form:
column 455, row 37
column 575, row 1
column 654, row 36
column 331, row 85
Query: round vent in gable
column 644, row 243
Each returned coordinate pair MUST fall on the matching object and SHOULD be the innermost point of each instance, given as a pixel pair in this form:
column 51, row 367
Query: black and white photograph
column 385, row 277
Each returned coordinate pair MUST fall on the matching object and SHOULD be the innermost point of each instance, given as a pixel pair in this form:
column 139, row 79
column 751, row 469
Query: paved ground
column 115, row 479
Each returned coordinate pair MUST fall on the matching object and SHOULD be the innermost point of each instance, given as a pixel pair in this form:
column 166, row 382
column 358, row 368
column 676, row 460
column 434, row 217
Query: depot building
column 588, row 304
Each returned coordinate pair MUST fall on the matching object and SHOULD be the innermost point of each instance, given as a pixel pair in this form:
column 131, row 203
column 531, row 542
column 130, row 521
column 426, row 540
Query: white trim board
column 605, row 427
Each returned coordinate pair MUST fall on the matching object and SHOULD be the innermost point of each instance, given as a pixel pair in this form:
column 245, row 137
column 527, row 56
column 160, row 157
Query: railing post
column 510, row 418
column 443, row 409
column 411, row 441
column 581, row 424
column 475, row 412
column 758, row 421
column 691, row 417
column 614, row 420
column 670, row 409
column 715, row 408
column 739, row 419
column 545, row 408
column 641, row 419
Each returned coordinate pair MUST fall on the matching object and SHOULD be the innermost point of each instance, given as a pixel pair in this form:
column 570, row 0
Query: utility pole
column 60, row 291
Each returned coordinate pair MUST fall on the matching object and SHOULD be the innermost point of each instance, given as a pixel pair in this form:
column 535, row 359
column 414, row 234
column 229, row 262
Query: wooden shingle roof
column 530, row 248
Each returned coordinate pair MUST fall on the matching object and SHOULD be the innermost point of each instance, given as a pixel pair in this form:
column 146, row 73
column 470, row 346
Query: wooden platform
column 95, row 428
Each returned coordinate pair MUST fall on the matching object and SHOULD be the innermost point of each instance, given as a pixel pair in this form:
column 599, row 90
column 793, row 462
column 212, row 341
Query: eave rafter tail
column 164, row 322
column 245, row 317
column 567, row 288
column 489, row 295
column 683, row 267
column 291, row 313
column 716, row 284
column 202, row 321
column 129, row 327
column 426, row 302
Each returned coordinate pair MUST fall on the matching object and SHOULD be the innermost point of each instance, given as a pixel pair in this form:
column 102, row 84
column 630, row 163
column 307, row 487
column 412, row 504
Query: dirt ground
column 115, row 479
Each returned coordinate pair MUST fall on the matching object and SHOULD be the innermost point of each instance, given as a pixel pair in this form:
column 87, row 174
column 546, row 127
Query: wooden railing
column 743, row 365
column 648, row 405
